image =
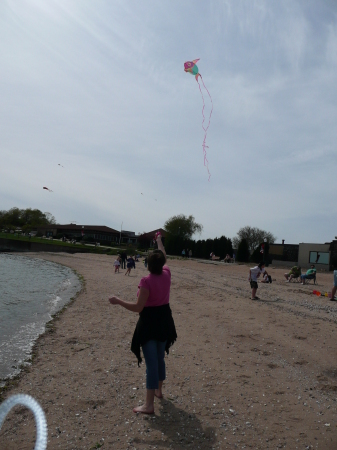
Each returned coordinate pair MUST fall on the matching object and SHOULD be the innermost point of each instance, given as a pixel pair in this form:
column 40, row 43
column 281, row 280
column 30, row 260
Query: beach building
column 128, row 237
column 323, row 256
column 317, row 254
column 285, row 253
column 98, row 233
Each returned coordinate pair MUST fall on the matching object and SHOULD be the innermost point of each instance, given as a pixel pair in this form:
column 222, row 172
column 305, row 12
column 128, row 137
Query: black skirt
column 154, row 323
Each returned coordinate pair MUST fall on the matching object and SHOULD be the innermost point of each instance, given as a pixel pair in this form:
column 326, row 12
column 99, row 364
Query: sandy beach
column 243, row 374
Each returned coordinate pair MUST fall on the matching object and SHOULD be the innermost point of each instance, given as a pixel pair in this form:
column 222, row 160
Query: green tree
column 254, row 237
column 243, row 251
column 180, row 230
column 182, row 226
column 25, row 218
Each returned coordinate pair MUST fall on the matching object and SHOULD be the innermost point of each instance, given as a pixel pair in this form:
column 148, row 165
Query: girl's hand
column 114, row 300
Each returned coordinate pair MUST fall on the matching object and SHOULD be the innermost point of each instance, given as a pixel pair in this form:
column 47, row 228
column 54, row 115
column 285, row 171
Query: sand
column 242, row 374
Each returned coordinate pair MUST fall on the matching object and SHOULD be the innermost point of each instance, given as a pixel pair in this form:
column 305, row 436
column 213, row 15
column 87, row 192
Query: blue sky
column 99, row 87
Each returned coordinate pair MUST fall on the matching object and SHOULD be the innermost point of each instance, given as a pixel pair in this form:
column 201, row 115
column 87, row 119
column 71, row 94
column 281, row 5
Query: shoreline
column 258, row 374
column 12, row 380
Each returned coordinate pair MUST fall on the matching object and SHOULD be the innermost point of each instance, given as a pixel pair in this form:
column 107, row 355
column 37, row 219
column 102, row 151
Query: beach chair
column 311, row 279
column 296, row 279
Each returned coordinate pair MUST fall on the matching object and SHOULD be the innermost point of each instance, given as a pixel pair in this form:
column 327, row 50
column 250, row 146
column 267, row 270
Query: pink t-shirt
column 158, row 287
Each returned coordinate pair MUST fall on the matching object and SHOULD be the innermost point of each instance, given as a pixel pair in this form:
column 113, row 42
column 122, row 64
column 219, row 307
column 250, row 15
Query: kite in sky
column 47, row 189
column 61, row 165
column 192, row 68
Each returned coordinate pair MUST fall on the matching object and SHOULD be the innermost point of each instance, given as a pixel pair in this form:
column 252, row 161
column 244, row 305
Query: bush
column 243, row 251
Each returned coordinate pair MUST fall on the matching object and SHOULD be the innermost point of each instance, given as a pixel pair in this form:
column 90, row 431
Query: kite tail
column 204, row 146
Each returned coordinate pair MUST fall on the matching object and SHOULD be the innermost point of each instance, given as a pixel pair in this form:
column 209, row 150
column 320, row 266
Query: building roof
column 150, row 234
column 72, row 226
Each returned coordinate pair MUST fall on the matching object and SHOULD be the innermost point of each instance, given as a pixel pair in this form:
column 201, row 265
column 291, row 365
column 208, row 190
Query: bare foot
column 158, row 393
column 143, row 409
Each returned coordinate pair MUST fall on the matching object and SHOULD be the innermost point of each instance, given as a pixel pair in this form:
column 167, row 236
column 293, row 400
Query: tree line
column 24, row 219
column 180, row 230
column 248, row 242
column 200, row 248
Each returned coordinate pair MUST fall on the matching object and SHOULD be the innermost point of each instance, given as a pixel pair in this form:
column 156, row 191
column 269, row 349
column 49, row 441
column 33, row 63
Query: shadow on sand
column 180, row 429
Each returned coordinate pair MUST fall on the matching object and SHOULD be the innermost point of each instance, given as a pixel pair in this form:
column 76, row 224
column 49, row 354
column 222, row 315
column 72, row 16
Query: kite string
column 204, row 146
column 210, row 114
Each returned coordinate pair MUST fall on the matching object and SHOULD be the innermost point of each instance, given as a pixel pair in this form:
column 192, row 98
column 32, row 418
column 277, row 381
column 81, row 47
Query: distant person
column 233, row 257
column 183, row 253
column 266, row 278
column 334, row 289
column 130, row 263
column 309, row 274
column 124, row 258
column 190, row 253
column 227, row 259
column 187, row 253
column 117, row 264
column 254, row 274
column 145, row 262
column 317, row 257
column 294, row 272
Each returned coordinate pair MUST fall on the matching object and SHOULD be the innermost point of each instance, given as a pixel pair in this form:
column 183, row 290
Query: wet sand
column 242, row 374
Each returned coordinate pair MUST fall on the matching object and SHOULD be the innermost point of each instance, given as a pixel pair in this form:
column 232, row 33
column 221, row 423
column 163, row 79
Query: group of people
column 227, row 258
column 155, row 331
column 186, row 253
column 296, row 272
column 122, row 260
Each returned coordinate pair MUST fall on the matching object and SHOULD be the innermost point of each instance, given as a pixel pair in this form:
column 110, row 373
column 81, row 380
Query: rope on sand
column 40, row 418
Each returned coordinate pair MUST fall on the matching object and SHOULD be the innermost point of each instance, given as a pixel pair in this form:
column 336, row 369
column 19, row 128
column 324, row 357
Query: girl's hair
column 155, row 262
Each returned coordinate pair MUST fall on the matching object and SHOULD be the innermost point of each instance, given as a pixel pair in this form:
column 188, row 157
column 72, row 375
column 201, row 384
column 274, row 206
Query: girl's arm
column 134, row 307
column 161, row 245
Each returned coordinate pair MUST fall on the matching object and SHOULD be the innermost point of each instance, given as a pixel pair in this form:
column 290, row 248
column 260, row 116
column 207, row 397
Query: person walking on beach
column 124, row 257
column 155, row 330
column 117, row 264
column 254, row 274
column 130, row 263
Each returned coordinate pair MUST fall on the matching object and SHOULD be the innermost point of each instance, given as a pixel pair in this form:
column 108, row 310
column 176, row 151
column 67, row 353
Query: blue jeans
column 307, row 277
column 154, row 354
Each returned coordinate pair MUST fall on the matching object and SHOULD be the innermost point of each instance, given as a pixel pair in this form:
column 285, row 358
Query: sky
column 99, row 88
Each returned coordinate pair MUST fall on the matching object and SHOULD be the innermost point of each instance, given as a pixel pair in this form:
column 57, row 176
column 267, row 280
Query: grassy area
column 87, row 248
column 90, row 248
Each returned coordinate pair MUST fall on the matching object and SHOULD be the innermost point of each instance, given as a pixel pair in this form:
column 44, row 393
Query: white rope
column 40, row 418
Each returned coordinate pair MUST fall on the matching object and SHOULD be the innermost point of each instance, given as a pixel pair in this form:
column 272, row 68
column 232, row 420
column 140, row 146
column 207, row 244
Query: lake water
column 31, row 290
